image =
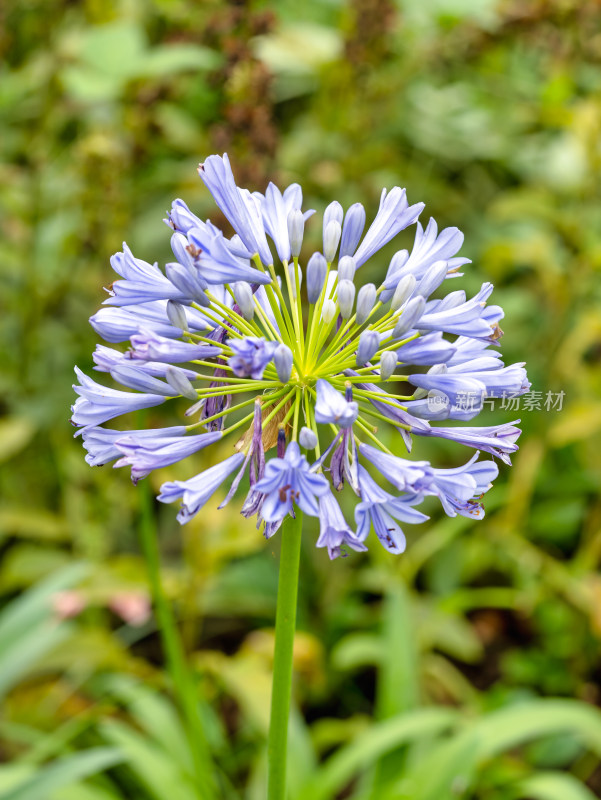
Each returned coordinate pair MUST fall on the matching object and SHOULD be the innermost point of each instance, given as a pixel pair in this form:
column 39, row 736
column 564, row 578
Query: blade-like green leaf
column 168, row 59
column 17, row 660
column 511, row 727
column 64, row 772
column 155, row 769
column 455, row 762
column 371, row 745
column 35, row 605
column 398, row 673
column 301, row 753
column 84, row 791
column 27, row 627
column 553, row 786
column 444, row 776
column 156, row 715
column 398, row 681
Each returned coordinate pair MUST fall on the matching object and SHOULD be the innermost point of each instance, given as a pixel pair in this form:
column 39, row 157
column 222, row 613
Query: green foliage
column 468, row 668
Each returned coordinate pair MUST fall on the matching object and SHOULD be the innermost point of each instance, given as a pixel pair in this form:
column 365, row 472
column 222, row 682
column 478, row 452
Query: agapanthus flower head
column 304, row 373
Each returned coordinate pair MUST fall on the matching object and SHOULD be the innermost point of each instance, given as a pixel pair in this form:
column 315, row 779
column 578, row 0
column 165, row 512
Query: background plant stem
column 182, row 681
column 285, row 625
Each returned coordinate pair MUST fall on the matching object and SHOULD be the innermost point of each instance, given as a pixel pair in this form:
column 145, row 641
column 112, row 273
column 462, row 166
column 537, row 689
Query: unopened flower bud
column 346, row 298
column 317, row 269
column 141, row 381
column 346, row 268
column 369, row 341
column 452, row 300
column 411, row 314
column 388, row 362
column 307, row 438
column 366, row 298
column 437, row 369
column 333, row 212
column 244, row 298
column 202, row 299
column 292, row 271
column 178, row 380
column 403, row 291
column 397, row 262
column 396, row 271
column 282, row 359
column 331, row 238
column 185, row 278
column 296, row 228
column 237, row 247
column 328, row 311
column 354, row 222
column 177, row 315
column 433, row 278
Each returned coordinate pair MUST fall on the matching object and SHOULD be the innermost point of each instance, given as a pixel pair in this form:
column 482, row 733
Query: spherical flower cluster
column 304, row 386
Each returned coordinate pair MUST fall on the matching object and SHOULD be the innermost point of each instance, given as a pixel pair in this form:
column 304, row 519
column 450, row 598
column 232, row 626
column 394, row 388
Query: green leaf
column 83, row 791
column 445, row 773
column 155, row 715
column 155, row 769
column 301, row 753
column 61, row 773
column 357, row 650
column 15, row 434
column 171, row 59
column 35, row 606
column 553, row 786
column 511, row 727
column 114, row 49
column 34, row 524
column 28, row 629
column 455, row 761
column 364, row 751
column 13, row 775
column 88, row 86
column 398, row 679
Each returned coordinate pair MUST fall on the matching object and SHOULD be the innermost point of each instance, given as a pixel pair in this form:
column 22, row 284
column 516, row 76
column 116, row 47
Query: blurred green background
column 422, row 677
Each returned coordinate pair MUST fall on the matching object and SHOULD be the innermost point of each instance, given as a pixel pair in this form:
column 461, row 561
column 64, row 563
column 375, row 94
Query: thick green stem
column 183, row 684
column 285, row 625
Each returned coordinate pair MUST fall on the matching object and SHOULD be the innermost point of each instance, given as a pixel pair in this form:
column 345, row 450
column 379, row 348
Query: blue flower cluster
column 224, row 327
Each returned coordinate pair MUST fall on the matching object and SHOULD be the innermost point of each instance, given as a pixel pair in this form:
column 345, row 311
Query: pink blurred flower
column 132, row 607
column 68, row 603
